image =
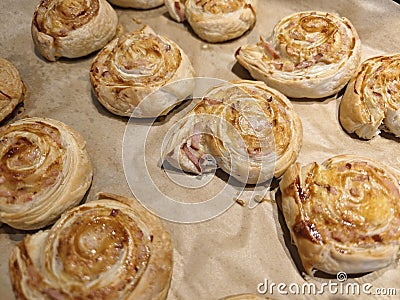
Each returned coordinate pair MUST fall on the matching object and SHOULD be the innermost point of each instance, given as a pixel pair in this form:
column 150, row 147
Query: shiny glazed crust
column 310, row 54
column 72, row 28
column 250, row 130
column 141, row 65
column 12, row 88
column 110, row 248
column 45, row 171
column 371, row 98
column 139, row 4
column 343, row 215
column 219, row 20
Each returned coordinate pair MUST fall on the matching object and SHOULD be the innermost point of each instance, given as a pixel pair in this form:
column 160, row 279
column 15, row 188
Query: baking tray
column 238, row 250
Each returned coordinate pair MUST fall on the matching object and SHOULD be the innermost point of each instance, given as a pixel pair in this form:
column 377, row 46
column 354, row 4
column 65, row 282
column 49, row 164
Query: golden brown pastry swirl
column 372, row 98
column 45, row 170
column 215, row 20
column 111, row 248
column 72, row 28
column 12, row 88
column 310, row 54
column 138, row 65
column 251, row 130
column 344, row 214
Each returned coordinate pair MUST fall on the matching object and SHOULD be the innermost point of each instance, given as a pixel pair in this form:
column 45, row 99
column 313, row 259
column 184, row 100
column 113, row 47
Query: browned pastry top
column 57, row 18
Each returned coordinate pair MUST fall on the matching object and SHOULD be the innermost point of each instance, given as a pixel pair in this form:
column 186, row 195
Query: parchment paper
column 241, row 248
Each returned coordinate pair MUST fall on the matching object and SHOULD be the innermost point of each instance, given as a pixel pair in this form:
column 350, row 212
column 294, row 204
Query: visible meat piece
column 269, row 49
column 304, row 64
column 194, row 158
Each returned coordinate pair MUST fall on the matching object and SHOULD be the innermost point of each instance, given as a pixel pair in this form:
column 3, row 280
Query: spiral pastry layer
column 245, row 128
column 372, row 99
column 72, row 28
column 310, row 54
column 215, row 20
column 141, row 66
column 139, row 4
column 111, row 248
column 12, row 88
column 344, row 214
column 45, row 170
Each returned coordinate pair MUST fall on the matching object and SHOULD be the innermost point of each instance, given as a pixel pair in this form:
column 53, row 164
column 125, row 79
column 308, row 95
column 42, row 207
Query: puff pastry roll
column 45, row 170
column 72, row 28
column 215, row 20
column 141, row 65
column 245, row 128
column 176, row 9
column 139, row 4
column 12, row 88
column 344, row 214
column 372, row 99
column 110, row 248
column 310, row 54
